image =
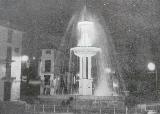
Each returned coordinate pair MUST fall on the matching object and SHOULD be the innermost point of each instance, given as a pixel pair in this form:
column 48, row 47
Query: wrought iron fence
column 38, row 109
column 47, row 109
column 24, row 108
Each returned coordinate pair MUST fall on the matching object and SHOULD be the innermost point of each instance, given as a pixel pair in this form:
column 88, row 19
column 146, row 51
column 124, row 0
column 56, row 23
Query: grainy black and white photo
column 79, row 56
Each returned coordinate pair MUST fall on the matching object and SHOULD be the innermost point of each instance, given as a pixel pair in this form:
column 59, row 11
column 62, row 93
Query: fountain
column 85, row 53
column 89, row 65
column 90, row 51
column 85, row 50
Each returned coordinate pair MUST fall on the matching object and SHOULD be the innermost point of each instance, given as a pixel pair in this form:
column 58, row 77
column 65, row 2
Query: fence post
column 81, row 110
column 135, row 110
column 26, row 107
column 114, row 110
column 145, row 107
column 34, row 107
column 100, row 111
column 43, row 108
column 67, row 108
column 126, row 110
column 54, row 108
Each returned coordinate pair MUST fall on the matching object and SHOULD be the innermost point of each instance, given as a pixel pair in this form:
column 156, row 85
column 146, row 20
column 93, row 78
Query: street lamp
column 24, row 58
column 152, row 67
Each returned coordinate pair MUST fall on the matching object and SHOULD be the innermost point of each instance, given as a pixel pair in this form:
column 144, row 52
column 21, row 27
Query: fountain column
column 85, row 81
column 84, row 70
column 89, row 68
column 80, row 67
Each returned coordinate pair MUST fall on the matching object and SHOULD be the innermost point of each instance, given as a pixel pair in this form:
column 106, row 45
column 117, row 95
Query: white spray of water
column 95, row 36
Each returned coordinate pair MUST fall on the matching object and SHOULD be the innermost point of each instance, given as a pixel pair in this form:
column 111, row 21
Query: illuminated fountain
column 85, row 52
column 90, row 70
column 91, row 53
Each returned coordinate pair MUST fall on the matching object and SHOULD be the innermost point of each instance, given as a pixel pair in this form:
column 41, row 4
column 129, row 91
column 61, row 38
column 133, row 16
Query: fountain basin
column 85, row 51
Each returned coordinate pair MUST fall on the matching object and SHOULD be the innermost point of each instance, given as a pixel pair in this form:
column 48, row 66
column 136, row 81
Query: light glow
column 24, row 58
column 34, row 58
column 115, row 85
column 86, row 31
column 108, row 70
column 151, row 66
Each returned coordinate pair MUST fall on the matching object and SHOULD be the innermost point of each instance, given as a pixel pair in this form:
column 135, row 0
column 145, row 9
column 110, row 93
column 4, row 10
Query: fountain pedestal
column 85, row 66
column 85, row 87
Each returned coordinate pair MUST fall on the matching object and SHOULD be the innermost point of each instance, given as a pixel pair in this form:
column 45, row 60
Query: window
column 48, row 52
column 16, row 50
column 10, row 32
column 9, row 53
column 47, row 65
column 8, row 61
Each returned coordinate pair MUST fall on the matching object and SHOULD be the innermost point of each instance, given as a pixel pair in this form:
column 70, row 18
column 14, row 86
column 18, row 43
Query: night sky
column 134, row 27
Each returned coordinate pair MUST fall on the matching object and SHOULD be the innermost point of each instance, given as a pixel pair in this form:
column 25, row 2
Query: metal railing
column 15, row 108
column 37, row 109
column 47, row 108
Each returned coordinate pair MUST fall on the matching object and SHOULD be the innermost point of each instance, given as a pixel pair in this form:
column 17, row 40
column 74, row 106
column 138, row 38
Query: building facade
column 49, row 83
column 10, row 63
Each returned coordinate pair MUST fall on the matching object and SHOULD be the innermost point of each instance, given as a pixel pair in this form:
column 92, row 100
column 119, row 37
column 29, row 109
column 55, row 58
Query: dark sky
column 134, row 26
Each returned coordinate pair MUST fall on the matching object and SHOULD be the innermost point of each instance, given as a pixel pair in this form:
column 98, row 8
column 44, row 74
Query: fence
column 16, row 108
column 151, row 106
column 47, row 108
column 50, row 109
